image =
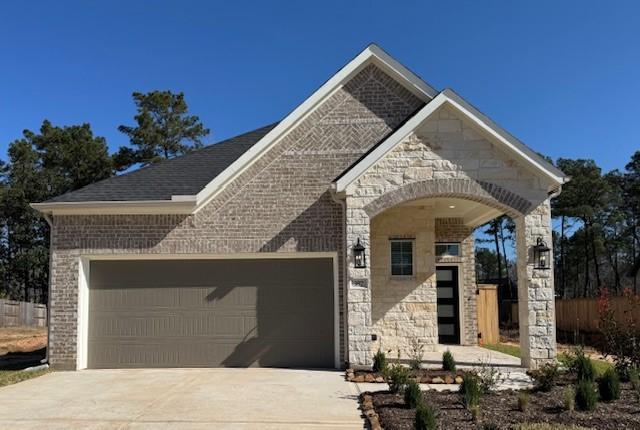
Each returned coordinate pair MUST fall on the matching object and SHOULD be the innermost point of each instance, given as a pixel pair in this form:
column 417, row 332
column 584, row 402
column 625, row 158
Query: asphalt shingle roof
column 184, row 175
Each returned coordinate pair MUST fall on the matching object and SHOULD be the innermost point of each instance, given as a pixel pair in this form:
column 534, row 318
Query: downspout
column 49, row 220
column 341, row 200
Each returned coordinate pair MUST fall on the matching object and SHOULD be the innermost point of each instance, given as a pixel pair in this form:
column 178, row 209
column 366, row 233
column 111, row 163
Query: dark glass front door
column 447, row 291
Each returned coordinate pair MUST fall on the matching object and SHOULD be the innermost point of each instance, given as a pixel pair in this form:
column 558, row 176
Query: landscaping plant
column 586, row 396
column 490, row 426
column 545, row 377
column 397, row 377
column 583, row 367
column 426, row 418
column 569, row 394
column 489, row 376
column 416, row 353
column 448, row 363
column 523, row 401
column 621, row 336
column 609, row 385
column 412, row 394
column 470, row 390
column 379, row 361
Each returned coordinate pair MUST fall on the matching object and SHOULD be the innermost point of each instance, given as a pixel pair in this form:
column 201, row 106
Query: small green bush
column 609, row 385
column 448, row 363
column 379, row 361
column 545, row 377
column 470, row 391
column 523, row 401
column 426, row 418
column 584, row 369
column 397, row 377
column 569, row 394
column 634, row 378
column 586, row 397
column 412, row 394
column 490, row 426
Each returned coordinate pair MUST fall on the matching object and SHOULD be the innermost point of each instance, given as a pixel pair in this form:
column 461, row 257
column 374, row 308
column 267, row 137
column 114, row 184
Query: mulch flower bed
column 422, row 376
column 501, row 409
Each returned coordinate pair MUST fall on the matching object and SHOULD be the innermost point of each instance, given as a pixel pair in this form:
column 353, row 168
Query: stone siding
column 445, row 157
column 281, row 203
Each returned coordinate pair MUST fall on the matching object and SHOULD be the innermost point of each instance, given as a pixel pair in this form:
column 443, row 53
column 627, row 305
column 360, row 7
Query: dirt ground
column 22, row 339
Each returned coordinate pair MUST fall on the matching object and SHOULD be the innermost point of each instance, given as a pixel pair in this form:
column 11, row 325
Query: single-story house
column 343, row 228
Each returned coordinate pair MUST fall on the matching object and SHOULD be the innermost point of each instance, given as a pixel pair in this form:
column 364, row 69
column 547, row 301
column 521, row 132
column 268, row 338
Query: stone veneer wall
column 403, row 308
column 447, row 156
column 281, row 203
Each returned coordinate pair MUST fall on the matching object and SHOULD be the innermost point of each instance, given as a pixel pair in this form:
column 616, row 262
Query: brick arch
column 480, row 191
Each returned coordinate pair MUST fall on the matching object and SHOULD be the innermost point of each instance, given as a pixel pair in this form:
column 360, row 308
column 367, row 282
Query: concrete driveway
column 182, row 399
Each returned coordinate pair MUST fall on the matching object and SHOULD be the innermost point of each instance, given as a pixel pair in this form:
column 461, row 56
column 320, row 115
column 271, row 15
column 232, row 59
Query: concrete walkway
column 468, row 357
column 182, row 399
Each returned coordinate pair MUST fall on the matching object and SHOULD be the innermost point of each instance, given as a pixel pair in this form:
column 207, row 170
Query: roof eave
column 177, row 205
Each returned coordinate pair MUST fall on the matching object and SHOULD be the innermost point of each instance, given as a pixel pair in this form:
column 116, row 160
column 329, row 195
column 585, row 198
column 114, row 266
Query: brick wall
column 281, row 203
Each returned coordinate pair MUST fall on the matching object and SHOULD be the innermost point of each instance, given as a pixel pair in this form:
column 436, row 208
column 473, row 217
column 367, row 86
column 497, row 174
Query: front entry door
column 447, row 292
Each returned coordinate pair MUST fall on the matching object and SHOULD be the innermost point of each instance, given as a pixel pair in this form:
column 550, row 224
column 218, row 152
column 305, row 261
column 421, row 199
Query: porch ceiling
column 472, row 213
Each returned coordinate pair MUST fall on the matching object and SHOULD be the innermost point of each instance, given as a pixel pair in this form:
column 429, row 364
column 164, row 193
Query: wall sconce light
column 359, row 257
column 541, row 254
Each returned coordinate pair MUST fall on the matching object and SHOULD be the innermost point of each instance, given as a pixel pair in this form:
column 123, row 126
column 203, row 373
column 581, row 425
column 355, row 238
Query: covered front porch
column 411, row 207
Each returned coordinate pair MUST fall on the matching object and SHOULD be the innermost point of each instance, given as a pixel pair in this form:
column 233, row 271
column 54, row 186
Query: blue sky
column 563, row 76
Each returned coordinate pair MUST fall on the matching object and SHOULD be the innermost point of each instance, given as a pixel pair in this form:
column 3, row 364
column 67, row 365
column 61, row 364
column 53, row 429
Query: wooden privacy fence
column 488, row 329
column 581, row 315
column 14, row 313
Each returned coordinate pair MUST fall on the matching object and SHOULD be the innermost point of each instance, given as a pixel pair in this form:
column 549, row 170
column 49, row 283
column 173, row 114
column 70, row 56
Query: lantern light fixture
column 541, row 254
column 359, row 257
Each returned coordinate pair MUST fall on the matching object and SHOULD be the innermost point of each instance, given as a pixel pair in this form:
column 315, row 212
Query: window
column 447, row 250
column 402, row 257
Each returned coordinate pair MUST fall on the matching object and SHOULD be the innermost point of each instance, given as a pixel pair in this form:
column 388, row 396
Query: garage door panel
column 211, row 313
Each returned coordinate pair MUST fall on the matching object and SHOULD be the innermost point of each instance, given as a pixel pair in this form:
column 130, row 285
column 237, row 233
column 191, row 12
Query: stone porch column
column 536, row 305
column 358, row 284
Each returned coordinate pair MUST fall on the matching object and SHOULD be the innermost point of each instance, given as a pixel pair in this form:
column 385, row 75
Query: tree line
column 59, row 159
column 596, row 234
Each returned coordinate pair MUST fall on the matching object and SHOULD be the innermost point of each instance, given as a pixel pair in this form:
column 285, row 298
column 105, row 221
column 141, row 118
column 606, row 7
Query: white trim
column 83, row 312
column 461, row 291
column 84, row 276
column 425, row 113
column 181, row 205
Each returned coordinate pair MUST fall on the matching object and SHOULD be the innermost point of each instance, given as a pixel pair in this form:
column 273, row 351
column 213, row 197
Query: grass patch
column 8, row 377
column 505, row 349
column 600, row 365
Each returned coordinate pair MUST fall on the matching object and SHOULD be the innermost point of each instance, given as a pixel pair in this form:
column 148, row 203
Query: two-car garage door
column 210, row 313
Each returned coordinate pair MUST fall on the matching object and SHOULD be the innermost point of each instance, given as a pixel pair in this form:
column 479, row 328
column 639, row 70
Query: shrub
column 397, row 377
column 489, row 376
column 426, row 418
column 523, row 401
column 545, row 377
column 583, row 367
column 470, row 391
column 622, row 335
column 416, row 354
column 448, row 363
column 412, row 394
column 379, row 361
column 609, row 385
column 569, row 394
column 586, row 397
column 490, row 426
